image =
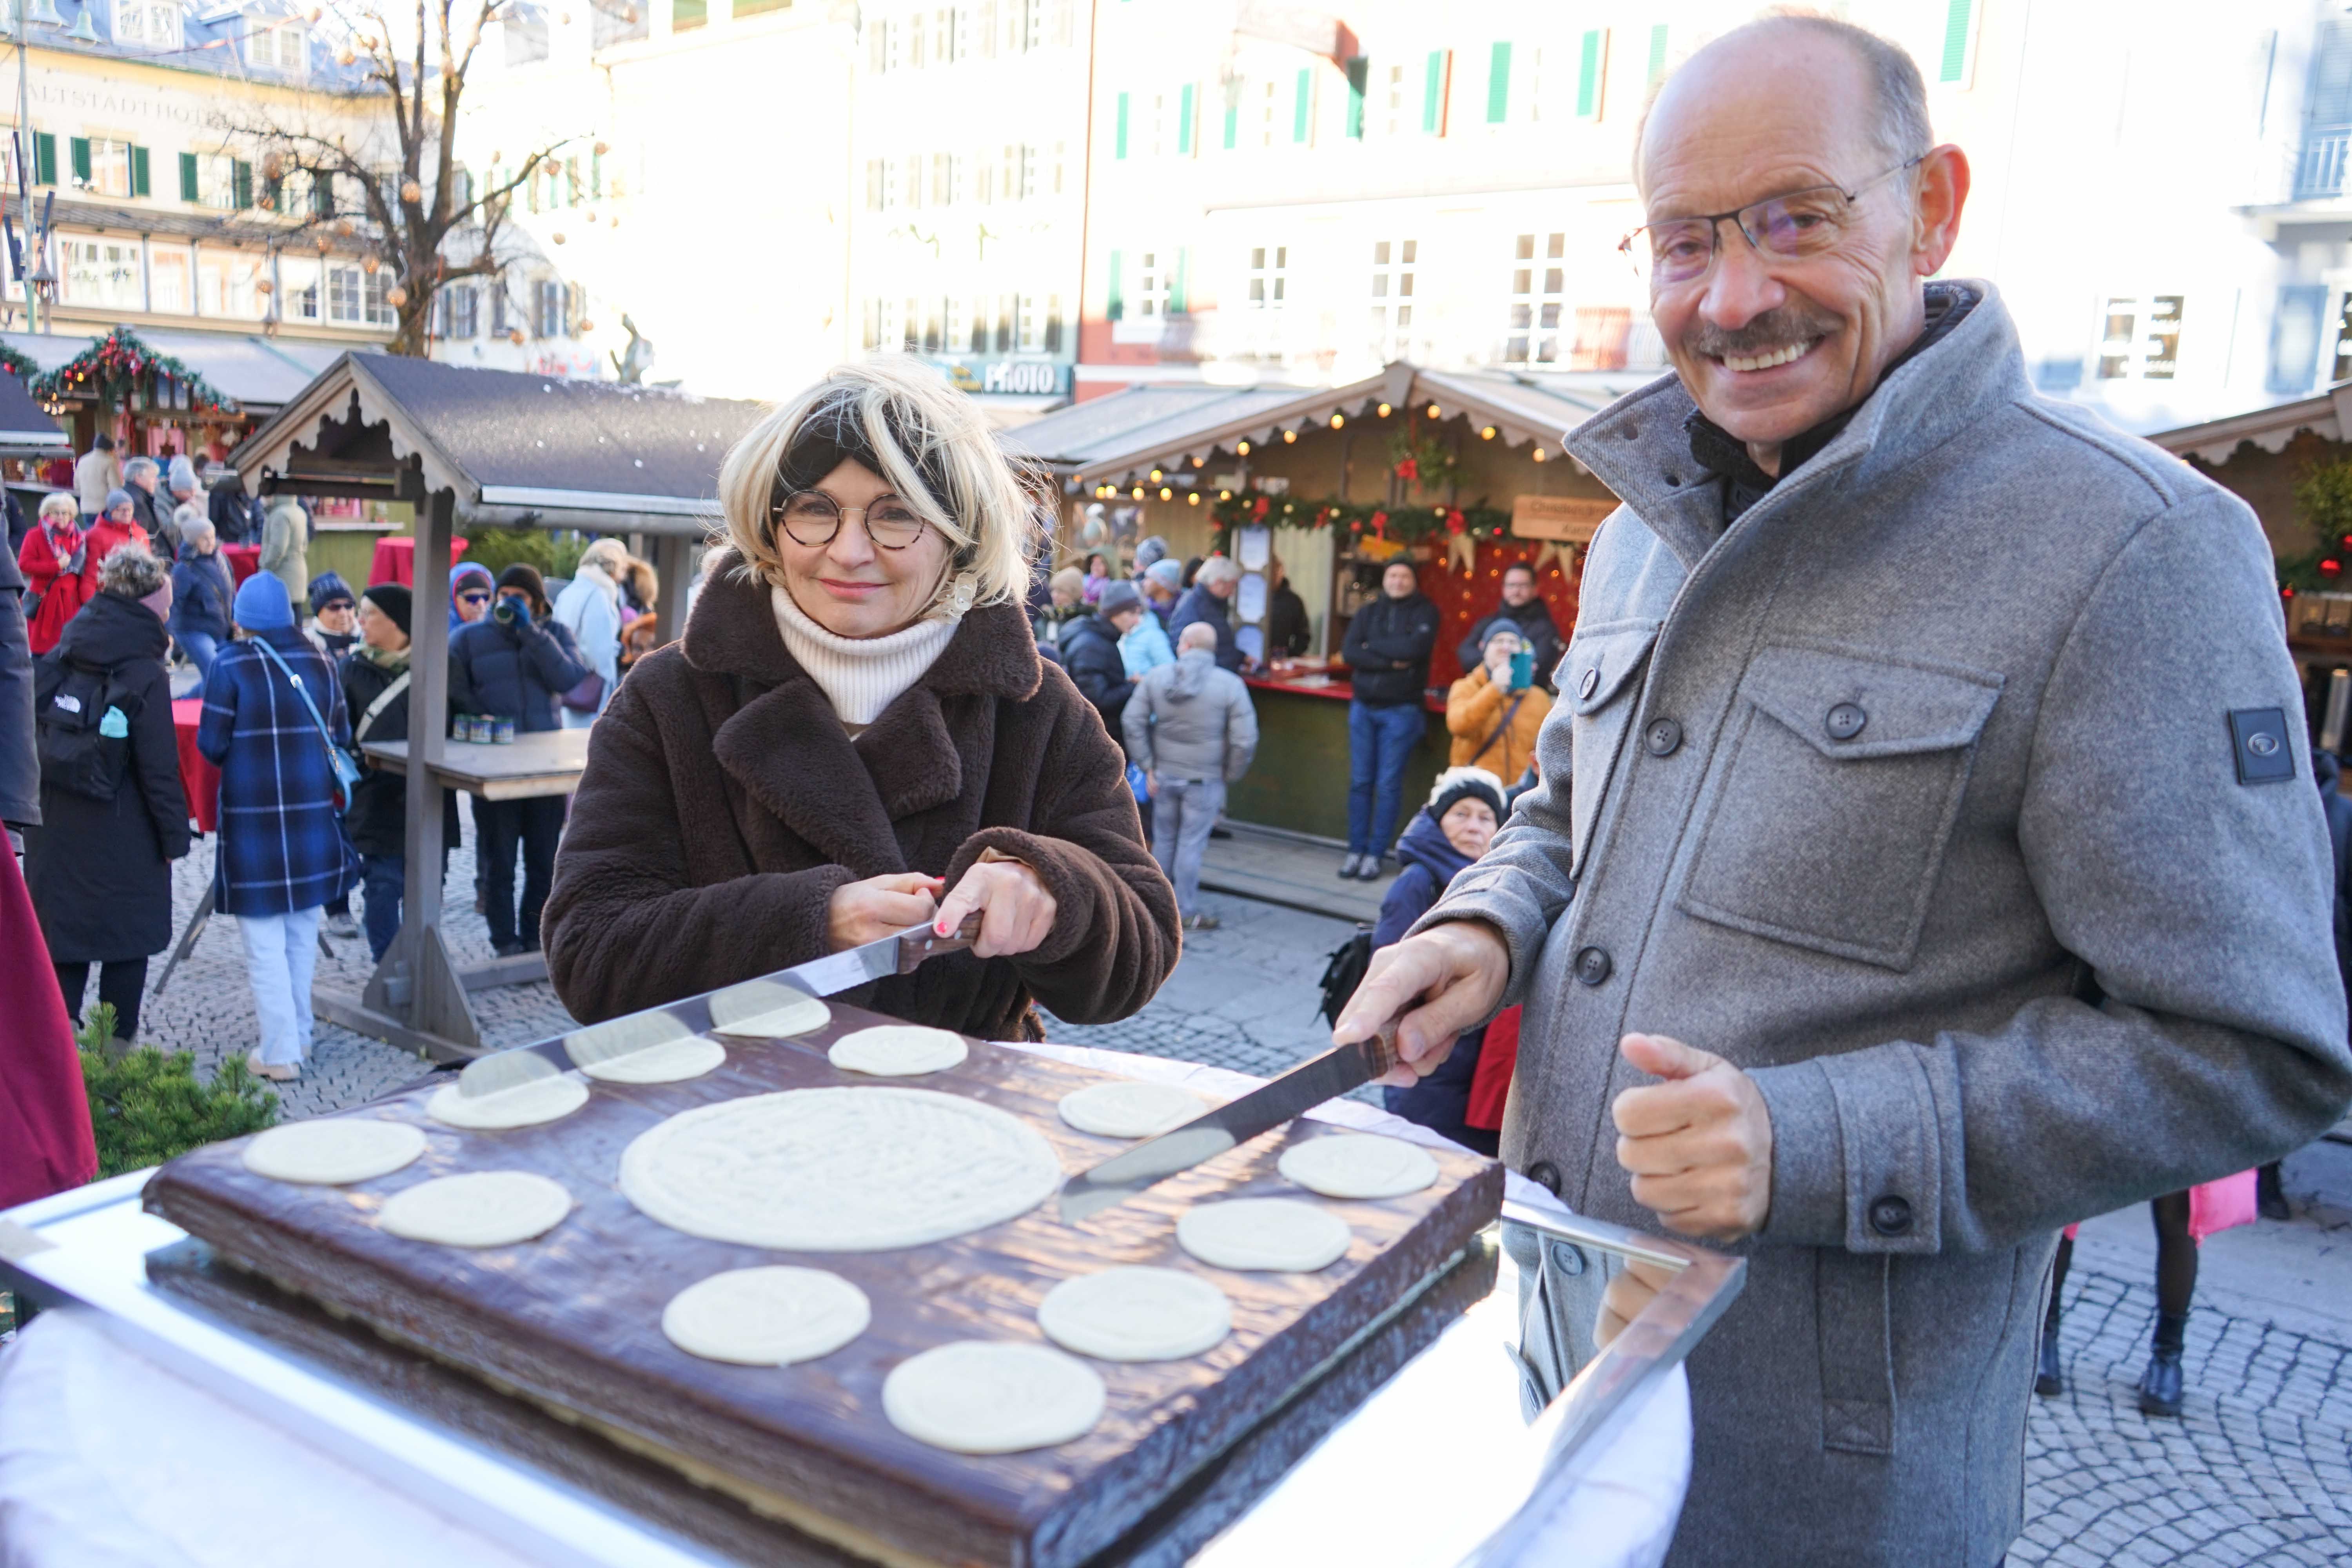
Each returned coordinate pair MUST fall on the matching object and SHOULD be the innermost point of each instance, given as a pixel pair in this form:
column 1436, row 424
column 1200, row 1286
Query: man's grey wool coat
column 1914, row 792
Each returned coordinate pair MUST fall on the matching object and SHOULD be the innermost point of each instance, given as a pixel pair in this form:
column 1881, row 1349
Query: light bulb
column 1338, row 420
column 1486, row 432
column 1242, row 448
column 1384, row 411
column 1288, row 437
column 1433, row 412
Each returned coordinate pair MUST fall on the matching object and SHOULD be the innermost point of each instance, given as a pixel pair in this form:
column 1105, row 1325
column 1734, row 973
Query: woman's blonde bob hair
column 933, row 449
column 58, row 503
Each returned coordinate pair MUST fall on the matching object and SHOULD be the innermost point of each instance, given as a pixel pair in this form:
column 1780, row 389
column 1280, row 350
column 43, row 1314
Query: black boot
column 2049, row 1378
column 2159, row 1386
column 2270, row 1198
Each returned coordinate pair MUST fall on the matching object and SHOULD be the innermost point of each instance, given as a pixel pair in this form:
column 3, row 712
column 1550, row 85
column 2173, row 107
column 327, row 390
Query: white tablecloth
column 110, row 1460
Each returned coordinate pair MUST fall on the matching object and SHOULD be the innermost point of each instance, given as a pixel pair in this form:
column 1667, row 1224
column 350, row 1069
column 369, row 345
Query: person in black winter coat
column 516, row 663
column 1090, row 652
column 1210, row 599
column 1388, row 647
column 1288, row 632
column 19, row 524
column 374, row 677
column 201, row 596
column 20, row 758
column 1524, row 608
column 1441, row 842
column 99, row 870
column 236, row 516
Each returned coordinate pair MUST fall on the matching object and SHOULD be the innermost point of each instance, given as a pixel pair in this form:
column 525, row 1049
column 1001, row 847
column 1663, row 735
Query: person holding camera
column 516, row 663
column 1495, row 711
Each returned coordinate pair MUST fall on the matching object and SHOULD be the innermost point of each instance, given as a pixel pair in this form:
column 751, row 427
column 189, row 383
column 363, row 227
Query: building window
column 1531, row 334
column 1269, row 270
column 878, row 184
column 225, row 284
column 1603, row 333
column 1053, row 334
column 147, row 25
column 108, row 171
column 2343, row 371
column 104, row 272
column 551, row 316
column 2140, row 339
column 282, row 50
column 298, row 287
column 1393, row 264
column 686, row 15
column 942, row 179
column 167, row 281
column 912, row 175
column 1396, row 121
column 1270, row 114
column 1151, row 281
column 345, row 295
column 460, row 308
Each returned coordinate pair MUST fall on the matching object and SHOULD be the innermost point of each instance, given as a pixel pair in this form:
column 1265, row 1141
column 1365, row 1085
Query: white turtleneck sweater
column 860, row 676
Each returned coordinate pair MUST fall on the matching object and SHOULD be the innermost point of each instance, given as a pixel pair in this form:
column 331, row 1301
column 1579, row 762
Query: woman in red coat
column 114, row 530
column 49, row 550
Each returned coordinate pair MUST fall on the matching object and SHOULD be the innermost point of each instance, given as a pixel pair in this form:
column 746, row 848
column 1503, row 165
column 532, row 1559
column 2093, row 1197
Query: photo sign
column 1566, row 520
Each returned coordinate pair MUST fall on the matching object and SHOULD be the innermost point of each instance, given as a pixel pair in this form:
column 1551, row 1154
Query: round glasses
column 811, row 518
column 1793, row 228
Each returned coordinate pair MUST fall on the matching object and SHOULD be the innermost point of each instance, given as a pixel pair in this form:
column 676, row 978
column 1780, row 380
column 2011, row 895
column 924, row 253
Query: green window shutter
column 138, row 171
column 190, row 191
column 1176, row 306
column 242, row 184
column 1233, row 124
column 1184, row 122
column 79, row 146
column 45, row 158
column 1360, row 71
column 1302, row 112
column 1116, row 310
column 1433, row 95
column 1657, row 53
column 1118, row 148
column 1498, row 85
column 1957, row 14
column 322, row 195
column 1588, row 77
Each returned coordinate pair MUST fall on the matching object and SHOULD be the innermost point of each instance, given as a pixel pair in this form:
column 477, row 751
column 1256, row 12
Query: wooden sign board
column 1568, row 520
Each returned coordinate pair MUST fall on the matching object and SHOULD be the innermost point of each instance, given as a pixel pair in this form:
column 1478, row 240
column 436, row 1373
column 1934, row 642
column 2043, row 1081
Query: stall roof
column 2328, row 415
column 259, row 373
column 25, row 429
column 514, row 448
column 1119, row 435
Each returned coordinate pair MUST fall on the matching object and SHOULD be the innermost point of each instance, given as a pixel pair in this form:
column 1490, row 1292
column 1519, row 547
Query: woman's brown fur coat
column 723, row 804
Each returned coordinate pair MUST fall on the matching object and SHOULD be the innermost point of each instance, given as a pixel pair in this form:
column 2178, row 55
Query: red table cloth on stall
column 244, row 560
column 395, row 559
column 197, row 775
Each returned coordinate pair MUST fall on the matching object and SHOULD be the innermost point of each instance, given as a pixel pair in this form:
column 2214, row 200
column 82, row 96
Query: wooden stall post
column 673, row 557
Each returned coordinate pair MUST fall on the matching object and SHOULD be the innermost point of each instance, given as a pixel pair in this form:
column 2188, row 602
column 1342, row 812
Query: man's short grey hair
column 1902, row 130
column 1218, row 569
column 1199, row 634
column 140, row 468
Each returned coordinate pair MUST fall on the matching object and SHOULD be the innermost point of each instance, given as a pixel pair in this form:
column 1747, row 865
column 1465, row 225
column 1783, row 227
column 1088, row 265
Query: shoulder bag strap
column 383, row 700
column 1508, row 714
column 271, row 654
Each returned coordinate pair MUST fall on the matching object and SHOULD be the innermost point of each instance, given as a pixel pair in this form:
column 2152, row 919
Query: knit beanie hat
column 1167, row 573
column 262, row 604
column 1117, row 596
column 326, row 588
column 394, row 600
column 524, row 575
column 115, row 498
column 1455, row 785
column 1504, row 628
column 182, row 475
column 1149, row 553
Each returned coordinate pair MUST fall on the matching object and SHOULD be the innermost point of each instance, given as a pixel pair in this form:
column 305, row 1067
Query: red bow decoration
column 1257, row 512
column 1408, row 468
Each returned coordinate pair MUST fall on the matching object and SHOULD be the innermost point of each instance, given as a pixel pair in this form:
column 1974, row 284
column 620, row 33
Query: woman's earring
column 962, row 592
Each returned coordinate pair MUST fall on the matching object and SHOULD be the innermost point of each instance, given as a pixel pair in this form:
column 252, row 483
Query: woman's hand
column 870, row 911
column 1628, row 1293
column 1016, row 912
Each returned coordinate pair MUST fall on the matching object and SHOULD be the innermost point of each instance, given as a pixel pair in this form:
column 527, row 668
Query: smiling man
column 1925, row 856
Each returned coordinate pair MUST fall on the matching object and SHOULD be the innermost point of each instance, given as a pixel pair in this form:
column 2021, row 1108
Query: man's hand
column 1016, row 913
column 1627, row 1294
column 1700, row 1145
column 870, row 911
column 1456, row 972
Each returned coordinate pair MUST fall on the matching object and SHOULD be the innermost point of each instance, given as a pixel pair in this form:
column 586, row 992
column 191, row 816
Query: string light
column 1433, row 413
column 1486, row 432
column 1540, row 454
column 1288, row 437
column 1155, row 476
column 1193, row 500
column 1225, row 495
column 1196, row 462
column 1138, row 492
column 1242, row 448
column 1384, row 410
column 1338, row 420
column 1167, row 494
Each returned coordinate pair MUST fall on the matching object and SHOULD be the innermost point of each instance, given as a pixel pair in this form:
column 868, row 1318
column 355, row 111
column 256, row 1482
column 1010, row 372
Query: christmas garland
column 1400, row 524
column 119, row 363
column 17, row 363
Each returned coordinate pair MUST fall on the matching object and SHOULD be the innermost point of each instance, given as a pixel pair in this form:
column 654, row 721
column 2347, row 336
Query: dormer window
column 286, row 50
column 142, row 24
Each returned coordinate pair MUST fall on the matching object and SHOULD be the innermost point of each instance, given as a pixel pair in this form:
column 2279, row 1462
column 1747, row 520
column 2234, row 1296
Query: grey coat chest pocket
column 1844, row 778
column 1598, row 685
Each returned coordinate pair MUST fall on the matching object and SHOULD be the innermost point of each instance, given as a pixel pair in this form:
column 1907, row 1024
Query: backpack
column 1344, row 973
column 72, row 706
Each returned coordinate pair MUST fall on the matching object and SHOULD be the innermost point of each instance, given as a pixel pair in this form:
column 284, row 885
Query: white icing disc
column 766, row 1010
column 482, row 1208
column 839, row 1170
column 1136, row 1314
column 1279, row 1234
column 672, row 1061
column 898, row 1050
column 766, row 1317
column 1358, row 1166
column 525, row 1105
column 977, row 1397
column 333, row 1149
column 1130, row 1109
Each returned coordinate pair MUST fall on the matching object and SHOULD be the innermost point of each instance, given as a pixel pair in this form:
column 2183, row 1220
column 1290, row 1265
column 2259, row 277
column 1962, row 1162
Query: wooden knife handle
column 1381, row 1050
column 912, row 951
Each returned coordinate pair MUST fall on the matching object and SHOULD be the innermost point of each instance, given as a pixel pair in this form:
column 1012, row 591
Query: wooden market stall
column 486, row 449
column 1459, row 472
column 29, row 437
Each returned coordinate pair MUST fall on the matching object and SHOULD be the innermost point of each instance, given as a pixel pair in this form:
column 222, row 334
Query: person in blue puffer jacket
column 1464, row 810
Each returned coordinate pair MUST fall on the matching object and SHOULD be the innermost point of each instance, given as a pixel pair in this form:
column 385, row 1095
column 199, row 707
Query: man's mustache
column 1783, row 326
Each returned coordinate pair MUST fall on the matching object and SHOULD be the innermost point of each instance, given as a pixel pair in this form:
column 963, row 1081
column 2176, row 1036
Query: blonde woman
column 591, row 605
column 855, row 736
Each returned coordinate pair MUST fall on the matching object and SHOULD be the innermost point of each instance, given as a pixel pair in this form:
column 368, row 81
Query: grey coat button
column 1664, row 737
column 1566, row 1259
column 1544, row 1174
column 1590, row 683
column 1592, row 965
column 1845, row 721
column 1891, row 1215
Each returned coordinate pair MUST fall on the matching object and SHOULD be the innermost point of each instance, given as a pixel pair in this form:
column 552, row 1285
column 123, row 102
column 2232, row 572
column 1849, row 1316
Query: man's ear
column 1943, row 190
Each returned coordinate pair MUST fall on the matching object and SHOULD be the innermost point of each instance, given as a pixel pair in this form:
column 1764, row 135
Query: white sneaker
column 1353, row 865
column 342, row 925
column 275, row 1072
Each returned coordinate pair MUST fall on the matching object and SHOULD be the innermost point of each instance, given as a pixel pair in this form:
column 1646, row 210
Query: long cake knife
column 1268, row 1106
column 898, row 953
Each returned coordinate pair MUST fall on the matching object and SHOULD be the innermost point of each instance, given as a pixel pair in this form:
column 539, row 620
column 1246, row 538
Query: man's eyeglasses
column 813, row 517
column 1792, row 228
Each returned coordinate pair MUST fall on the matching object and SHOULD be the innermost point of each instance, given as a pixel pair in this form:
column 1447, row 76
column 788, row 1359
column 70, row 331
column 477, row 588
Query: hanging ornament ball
column 628, row 13
column 264, row 286
column 368, row 264
column 602, row 147
column 347, row 60
column 410, row 191
column 323, row 243
column 344, row 229
column 591, row 218
column 613, row 222
column 558, row 238
column 587, row 326
column 514, row 336
column 395, row 296
column 266, row 202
